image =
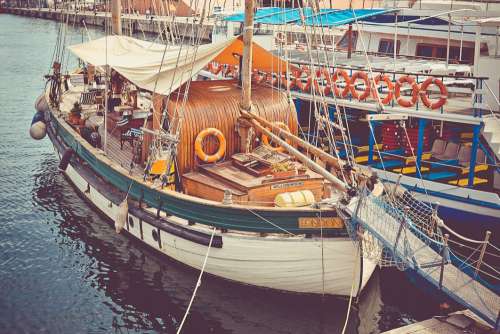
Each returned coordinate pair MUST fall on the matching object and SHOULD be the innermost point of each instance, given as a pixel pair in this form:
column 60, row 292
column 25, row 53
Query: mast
column 116, row 13
column 246, row 68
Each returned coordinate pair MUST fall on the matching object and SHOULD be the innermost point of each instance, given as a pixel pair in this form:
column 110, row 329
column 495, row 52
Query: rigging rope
column 198, row 283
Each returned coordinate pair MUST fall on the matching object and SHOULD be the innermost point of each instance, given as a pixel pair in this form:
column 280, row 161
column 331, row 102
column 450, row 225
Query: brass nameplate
column 287, row 185
column 316, row 222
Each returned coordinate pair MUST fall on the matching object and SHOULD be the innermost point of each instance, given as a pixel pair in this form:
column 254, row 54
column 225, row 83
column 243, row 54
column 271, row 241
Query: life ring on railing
column 309, row 83
column 298, row 80
column 404, row 102
column 280, row 38
column 425, row 97
column 215, row 69
column 347, row 80
column 328, row 78
column 198, row 145
column 363, row 76
column 390, row 87
column 265, row 139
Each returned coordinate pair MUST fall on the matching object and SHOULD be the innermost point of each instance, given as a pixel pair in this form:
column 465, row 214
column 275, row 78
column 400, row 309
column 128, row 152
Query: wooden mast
column 246, row 68
column 116, row 13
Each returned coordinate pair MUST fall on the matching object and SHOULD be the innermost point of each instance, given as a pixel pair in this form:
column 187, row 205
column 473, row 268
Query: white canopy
column 141, row 61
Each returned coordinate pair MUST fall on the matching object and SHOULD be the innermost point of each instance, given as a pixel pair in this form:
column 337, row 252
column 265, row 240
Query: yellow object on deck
column 159, row 167
column 364, row 158
column 363, row 149
column 466, row 135
column 294, row 199
column 410, row 170
column 478, row 168
column 425, row 156
column 465, row 182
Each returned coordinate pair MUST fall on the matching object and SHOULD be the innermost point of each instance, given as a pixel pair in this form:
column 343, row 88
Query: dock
column 132, row 23
column 456, row 323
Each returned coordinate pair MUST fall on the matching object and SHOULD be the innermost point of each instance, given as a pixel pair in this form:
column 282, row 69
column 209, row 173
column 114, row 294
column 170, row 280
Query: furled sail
column 141, row 61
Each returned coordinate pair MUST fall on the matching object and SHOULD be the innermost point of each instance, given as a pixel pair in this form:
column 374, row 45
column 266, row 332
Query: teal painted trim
column 235, row 218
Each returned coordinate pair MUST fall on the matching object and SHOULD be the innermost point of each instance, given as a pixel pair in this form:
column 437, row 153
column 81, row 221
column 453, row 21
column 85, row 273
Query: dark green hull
column 263, row 220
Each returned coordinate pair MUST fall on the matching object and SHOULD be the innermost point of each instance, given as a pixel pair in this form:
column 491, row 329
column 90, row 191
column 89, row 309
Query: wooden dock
column 131, row 23
column 455, row 323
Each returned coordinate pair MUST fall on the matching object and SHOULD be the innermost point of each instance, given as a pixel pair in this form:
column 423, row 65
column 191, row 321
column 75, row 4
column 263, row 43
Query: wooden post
column 116, row 17
column 483, row 250
column 443, row 261
column 246, row 68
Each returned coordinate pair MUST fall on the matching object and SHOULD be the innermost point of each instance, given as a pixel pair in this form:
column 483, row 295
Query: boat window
column 154, row 234
column 439, row 51
column 130, row 222
column 387, row 46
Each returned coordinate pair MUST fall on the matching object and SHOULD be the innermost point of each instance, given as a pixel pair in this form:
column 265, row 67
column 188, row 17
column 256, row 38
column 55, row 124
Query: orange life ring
column 215, row 69
column 347, row 80
column 390, row 87
column 363, row 76
column 298, row 80
column 425, row 97
column 401, row 101
column 309, row 83
column 265, row 139
column 328, row 78
column 198, row 145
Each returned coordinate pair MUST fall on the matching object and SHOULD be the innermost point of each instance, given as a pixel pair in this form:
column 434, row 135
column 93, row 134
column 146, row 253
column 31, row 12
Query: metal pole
column 443, row 261
column 448, row 42
column 477, row 50
column 461, row 41
column 395, row 40
column 483, row 250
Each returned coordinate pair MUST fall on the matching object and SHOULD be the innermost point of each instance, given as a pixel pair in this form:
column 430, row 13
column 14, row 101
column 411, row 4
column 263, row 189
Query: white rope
column 198, row 283
column 356, row 254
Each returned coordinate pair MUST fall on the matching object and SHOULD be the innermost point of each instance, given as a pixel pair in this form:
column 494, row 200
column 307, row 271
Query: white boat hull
column 288, row 263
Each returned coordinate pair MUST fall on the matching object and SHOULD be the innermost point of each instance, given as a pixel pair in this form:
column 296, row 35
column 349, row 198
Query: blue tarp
column 325, row 18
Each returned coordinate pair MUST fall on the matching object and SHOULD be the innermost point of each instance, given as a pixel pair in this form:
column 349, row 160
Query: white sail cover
column 141, row 61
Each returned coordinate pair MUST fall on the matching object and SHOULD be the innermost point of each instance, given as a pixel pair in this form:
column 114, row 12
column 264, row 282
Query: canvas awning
column 262, row 59
column 147, row 64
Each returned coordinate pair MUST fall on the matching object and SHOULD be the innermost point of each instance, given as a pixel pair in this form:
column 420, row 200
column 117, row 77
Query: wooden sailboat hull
column 282, row 262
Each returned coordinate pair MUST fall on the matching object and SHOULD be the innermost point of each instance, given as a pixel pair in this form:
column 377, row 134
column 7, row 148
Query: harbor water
column 63, row 269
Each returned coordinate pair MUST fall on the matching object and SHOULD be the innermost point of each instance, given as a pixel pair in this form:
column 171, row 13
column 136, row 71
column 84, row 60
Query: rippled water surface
column 64, row 270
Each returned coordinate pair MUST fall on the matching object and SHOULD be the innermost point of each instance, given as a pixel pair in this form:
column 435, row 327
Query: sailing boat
column 195, row 168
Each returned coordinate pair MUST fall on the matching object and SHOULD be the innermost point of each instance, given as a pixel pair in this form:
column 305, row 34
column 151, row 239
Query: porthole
column 130, row 222
column 155, row 235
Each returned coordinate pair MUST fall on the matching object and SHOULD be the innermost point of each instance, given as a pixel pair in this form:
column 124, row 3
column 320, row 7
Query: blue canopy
column 325, row 18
